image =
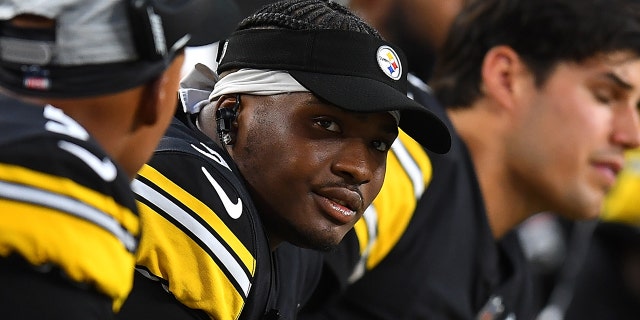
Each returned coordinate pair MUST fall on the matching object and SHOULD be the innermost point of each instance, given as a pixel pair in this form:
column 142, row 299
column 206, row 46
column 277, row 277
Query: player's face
column 312, row 168
column 567, row 144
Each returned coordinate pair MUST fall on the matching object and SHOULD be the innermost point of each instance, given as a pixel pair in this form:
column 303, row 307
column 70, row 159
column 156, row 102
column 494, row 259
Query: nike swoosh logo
column 103, row 167
column 233, row 209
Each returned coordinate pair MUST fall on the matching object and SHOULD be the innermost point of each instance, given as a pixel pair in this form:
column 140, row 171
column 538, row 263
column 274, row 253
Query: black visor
column 352, row 70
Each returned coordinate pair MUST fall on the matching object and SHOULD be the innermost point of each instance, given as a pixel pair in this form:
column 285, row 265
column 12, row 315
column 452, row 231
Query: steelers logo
column 389, row 62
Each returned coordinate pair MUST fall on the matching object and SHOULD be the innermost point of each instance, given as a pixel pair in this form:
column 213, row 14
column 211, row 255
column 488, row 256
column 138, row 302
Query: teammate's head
column 555, row 85
column 112, row 65
column 543, row 33
column 314, row 98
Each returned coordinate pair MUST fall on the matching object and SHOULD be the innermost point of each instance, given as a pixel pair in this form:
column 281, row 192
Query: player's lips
column 339, row 203
column 609, row 167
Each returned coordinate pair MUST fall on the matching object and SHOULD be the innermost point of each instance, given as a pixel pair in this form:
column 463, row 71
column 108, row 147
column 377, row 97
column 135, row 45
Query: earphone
column 224, row 120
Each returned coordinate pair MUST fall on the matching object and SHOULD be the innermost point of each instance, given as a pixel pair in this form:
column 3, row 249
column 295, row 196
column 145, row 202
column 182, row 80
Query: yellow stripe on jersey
column 203, row 211
column 49, row 227
column 195, row 231
column 65, row 186
column 194, row 278
column 408, row 173
column 621, row 204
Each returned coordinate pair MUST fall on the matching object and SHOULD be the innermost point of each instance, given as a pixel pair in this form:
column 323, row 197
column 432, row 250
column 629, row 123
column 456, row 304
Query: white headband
column 249, row 81
column 194, row 91
column 256, row 82
column 263, row 83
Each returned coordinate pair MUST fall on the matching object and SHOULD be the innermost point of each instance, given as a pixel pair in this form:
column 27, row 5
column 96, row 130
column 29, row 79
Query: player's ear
column 159, row 95
column 150, row 104
column 226, row 115
column 219, row 117
column 500, row 73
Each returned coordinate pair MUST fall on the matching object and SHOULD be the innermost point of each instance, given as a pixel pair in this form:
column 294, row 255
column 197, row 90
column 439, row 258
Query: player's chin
column 588, row 209
column 323, row 247
column 324, row 240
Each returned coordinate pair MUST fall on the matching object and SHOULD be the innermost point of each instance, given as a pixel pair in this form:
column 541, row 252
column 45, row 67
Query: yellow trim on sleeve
column 86, row 252
column 203, row 211
column 65, row 186
column 396, row 202
column 194, row 278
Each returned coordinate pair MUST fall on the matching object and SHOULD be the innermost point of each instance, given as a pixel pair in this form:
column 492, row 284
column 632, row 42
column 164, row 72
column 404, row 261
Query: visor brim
column 367, row 95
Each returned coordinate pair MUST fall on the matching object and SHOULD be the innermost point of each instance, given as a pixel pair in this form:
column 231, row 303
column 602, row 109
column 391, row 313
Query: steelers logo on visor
column 389, row 62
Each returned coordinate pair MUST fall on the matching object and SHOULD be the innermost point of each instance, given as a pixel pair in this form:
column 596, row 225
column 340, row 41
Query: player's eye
column 328, row 124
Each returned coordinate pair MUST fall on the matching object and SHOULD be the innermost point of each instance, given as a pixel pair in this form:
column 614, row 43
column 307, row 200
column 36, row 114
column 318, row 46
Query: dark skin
column 312, row 168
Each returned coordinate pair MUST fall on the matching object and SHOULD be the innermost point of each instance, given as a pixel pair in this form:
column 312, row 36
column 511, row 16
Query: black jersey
column 65, row 205
column 409, row 171
column 376, row 234
column 203, row 241
column 446, row 264
column 606, row 284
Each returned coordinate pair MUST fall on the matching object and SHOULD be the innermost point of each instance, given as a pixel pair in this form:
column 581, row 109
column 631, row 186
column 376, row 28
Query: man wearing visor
column 285, row 151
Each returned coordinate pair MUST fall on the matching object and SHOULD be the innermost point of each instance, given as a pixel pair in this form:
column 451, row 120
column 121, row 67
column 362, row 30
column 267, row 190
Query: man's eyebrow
column 362, row 116
column 621, row 83
column 618, row 81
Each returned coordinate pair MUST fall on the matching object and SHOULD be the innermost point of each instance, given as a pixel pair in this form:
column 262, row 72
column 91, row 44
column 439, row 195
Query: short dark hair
column 542, row 32
column 307, row 15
